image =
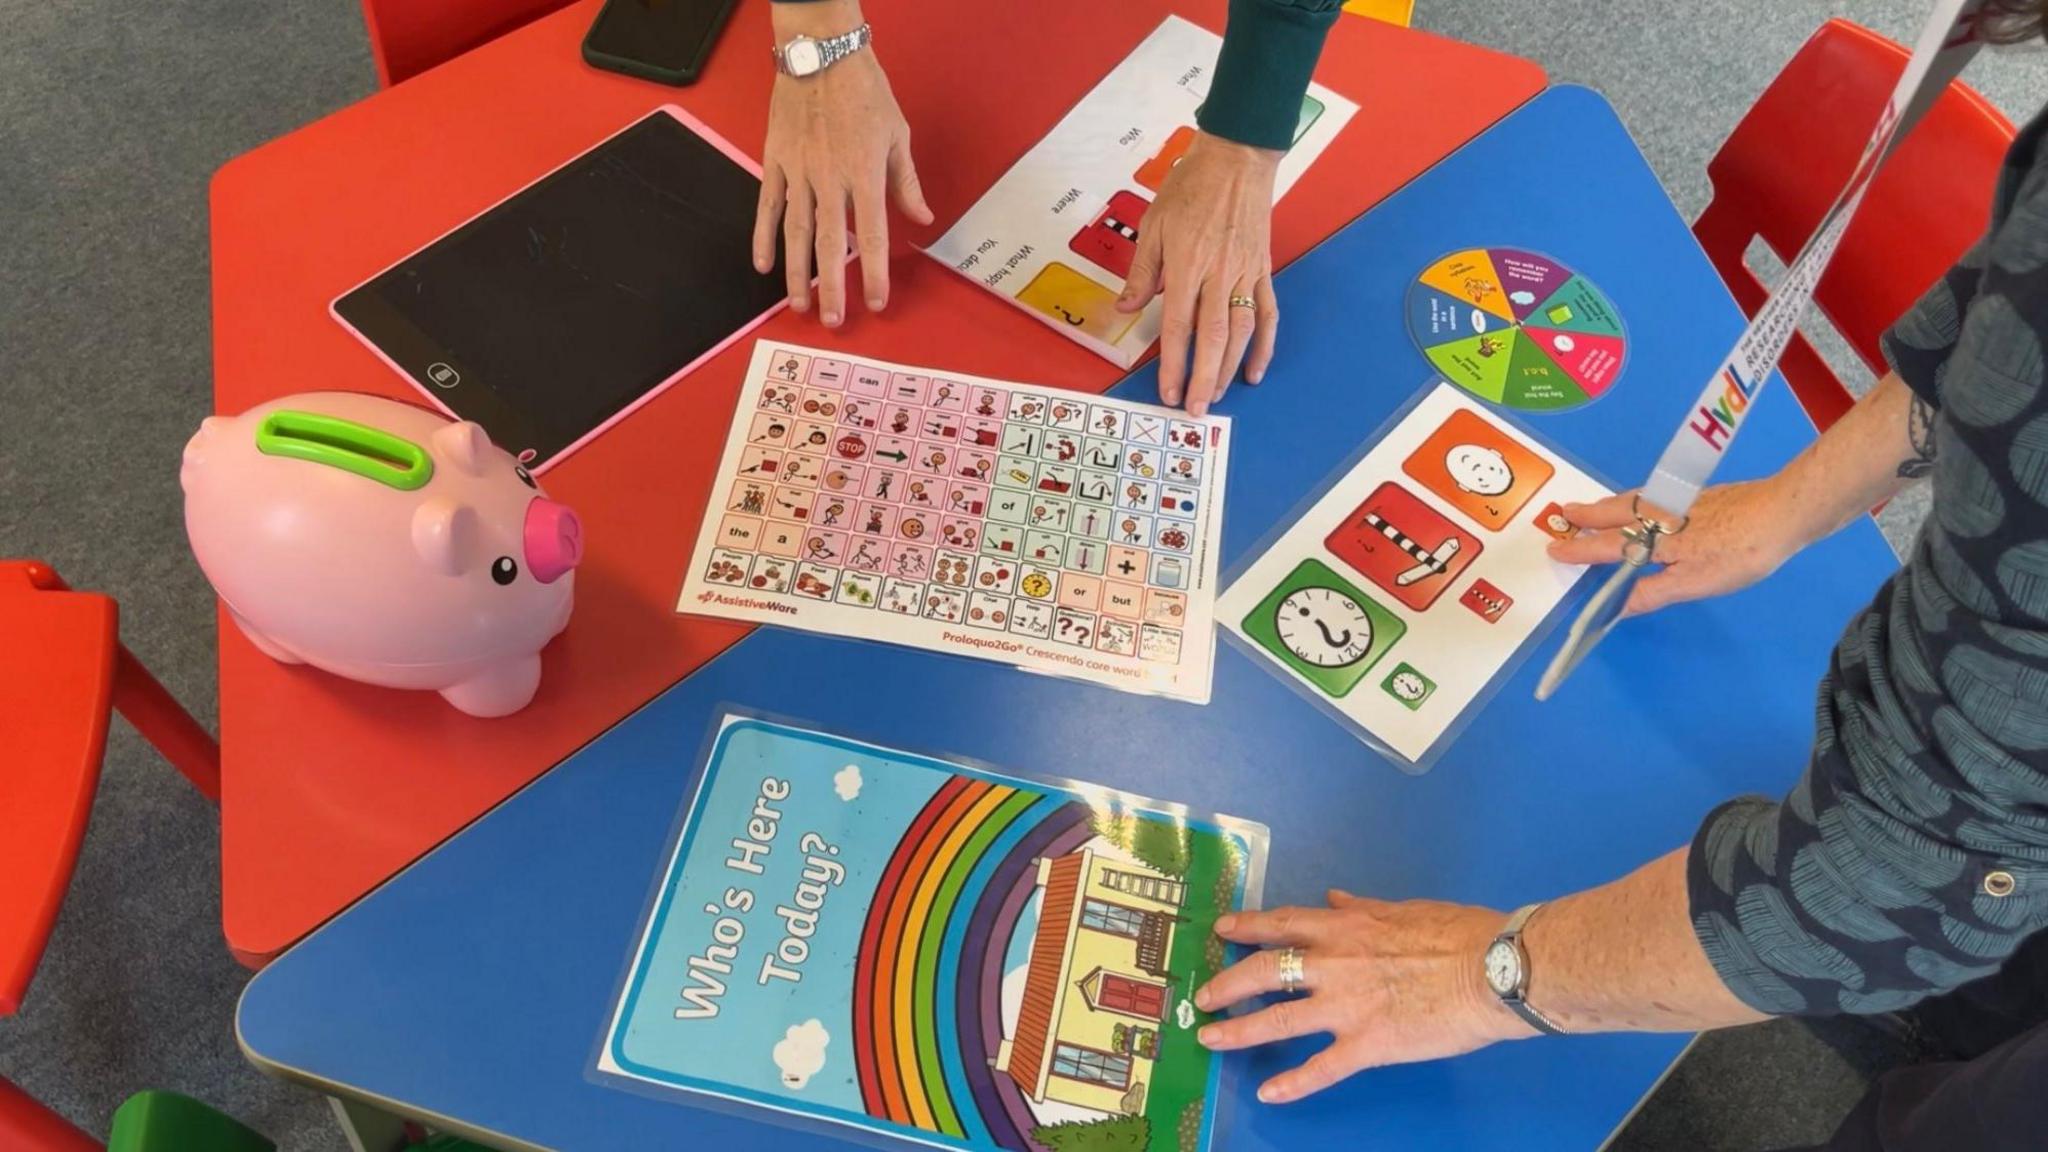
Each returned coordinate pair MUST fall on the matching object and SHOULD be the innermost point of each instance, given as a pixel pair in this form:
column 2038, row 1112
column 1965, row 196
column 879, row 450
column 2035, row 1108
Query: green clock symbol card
column 1322, row 626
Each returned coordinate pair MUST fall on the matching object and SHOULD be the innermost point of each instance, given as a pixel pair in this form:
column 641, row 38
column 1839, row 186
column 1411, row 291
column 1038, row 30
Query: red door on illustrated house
column 1132, row 997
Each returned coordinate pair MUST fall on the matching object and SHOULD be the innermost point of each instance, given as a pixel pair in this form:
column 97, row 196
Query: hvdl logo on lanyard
column 1946, row 44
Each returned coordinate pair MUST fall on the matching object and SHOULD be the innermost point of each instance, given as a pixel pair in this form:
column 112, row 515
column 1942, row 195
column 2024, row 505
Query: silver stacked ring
column 1291, row 975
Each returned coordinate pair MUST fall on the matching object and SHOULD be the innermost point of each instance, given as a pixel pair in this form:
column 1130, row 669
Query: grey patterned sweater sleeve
column 1918, row 346
column 1912, row 856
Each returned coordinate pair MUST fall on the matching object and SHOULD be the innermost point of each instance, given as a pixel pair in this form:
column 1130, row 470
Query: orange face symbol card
column 1478, row 469
column 1152, row 173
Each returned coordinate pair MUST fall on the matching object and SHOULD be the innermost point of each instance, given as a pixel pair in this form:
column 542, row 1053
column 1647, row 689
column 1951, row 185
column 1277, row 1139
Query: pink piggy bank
column 384, row 543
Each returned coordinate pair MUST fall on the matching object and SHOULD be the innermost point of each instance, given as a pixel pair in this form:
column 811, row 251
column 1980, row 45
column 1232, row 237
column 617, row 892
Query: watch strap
column 845, row 44
column 1512, row 934
column 1519, row 920
column 831, row 49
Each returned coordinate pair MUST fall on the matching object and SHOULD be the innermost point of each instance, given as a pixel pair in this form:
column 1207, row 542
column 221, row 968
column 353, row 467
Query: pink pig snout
column 554, row 540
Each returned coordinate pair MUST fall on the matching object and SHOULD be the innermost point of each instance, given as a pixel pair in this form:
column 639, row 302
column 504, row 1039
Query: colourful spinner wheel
column 1517, row 328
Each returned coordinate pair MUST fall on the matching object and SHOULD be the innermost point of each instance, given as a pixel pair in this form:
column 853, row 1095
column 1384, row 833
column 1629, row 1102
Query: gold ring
column 1292, row 975
column 1243, row 302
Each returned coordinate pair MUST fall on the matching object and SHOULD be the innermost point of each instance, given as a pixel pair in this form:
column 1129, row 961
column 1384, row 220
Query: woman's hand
column 1738, row 534
column 836, row 140
column 1393, row 983
column 1205, row 240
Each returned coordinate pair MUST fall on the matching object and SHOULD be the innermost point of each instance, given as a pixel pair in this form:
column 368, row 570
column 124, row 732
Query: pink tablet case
column 693, row 124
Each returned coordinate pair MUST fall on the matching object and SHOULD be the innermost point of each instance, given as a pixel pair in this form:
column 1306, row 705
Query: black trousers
column 1991, row 1092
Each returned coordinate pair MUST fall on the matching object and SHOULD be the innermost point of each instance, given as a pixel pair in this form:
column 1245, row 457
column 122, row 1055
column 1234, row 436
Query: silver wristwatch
column 806, row 56
column 1507, row 971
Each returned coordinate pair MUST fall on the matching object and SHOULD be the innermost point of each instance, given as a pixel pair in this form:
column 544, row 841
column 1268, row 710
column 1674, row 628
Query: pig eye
column 525, row 477
column 504, row 570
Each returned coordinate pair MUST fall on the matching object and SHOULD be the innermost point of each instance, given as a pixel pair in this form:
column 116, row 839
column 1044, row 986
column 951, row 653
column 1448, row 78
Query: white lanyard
column 1946, row 44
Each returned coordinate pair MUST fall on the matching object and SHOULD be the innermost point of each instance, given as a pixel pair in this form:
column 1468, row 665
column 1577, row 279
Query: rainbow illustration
column 928, row 976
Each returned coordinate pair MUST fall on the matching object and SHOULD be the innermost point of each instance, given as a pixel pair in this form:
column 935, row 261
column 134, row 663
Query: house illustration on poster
column 1096, row 987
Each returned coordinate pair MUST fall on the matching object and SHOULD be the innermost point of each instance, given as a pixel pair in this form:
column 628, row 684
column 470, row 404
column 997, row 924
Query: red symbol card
column 1111, row 239
column 1488, row 602
column 1404, row 546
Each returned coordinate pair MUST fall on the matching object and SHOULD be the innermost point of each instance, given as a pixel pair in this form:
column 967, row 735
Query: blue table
column 472, row 988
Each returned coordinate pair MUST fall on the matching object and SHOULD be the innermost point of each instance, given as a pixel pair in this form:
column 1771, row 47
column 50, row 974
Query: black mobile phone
column 664, row 40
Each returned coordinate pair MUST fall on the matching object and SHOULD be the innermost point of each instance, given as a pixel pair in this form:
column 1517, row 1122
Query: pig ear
column 462, row 444
column 442, row 533
column 211, row 429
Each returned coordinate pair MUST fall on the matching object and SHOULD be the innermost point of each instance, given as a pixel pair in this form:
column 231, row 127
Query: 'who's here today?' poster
column 925, row 950
column 1057, row 234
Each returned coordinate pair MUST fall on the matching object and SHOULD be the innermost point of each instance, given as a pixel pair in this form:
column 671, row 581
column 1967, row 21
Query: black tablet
column 563, row 307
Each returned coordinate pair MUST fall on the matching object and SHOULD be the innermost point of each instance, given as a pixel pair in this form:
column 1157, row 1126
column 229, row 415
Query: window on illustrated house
column 1090, row 1066
column 1146, row 887
column 1110, row 918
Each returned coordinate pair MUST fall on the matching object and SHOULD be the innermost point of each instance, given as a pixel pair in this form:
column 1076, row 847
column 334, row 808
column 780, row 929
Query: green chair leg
column 168, row 1122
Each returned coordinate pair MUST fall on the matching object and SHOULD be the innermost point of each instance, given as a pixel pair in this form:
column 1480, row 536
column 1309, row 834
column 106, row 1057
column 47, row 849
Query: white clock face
column 1503, row 968
column 803, row 57
column 1324, row 627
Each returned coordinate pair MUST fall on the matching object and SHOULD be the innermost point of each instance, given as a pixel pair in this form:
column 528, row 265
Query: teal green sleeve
column 1269, row 52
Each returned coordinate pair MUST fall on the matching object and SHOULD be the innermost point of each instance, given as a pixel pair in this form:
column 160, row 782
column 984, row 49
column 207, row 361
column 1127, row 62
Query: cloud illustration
column 847, row 782
column 801, row 1052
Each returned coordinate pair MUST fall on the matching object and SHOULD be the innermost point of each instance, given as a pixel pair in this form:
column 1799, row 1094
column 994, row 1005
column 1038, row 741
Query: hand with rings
column 1206, row 246
column 1737, row 534
column 1390, row 982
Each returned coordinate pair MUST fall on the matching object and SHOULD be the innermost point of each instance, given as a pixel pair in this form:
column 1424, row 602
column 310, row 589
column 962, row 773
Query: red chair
column 1781, row 168
column 62, row 672
column 407, row 37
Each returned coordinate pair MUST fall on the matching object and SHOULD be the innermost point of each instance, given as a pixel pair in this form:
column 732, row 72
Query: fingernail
column 831, row 319
column 1268, row 1094
column 798, row 304
column 1225, row 923
column 1253, row 378
column 877, row 303
column 1170, row 397
column 1207, row 1036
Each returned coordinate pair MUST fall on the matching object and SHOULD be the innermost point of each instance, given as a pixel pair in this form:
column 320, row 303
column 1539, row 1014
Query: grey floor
column 114, row 113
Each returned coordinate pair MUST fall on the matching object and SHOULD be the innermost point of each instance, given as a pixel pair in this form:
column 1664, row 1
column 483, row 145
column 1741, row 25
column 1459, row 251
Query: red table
column 328, row 787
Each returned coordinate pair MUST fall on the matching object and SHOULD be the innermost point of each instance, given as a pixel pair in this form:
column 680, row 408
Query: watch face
column 1503, row 968
column 802, row 57
column 1323, row 627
